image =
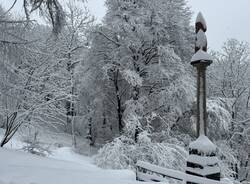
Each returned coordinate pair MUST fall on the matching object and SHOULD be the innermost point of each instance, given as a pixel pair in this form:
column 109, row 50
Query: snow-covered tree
column 71, row 45
column 144, row 46
column 39, row 75
column 230, row 81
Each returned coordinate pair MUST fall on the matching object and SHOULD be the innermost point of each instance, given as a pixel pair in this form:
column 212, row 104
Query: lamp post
column 202, row 160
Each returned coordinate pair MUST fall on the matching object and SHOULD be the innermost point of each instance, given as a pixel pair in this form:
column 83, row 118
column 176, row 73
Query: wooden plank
column 160, row 170
column 148, row 177
column 170, row 173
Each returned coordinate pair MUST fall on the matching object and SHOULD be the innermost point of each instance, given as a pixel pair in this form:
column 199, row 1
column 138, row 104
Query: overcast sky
column 225, row 18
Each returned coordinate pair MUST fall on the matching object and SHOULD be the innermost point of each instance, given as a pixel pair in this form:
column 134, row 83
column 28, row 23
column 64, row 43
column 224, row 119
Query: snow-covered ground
column 65, row 167
column 62, row 166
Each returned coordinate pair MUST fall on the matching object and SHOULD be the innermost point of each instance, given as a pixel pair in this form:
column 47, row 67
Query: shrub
column 123, row 153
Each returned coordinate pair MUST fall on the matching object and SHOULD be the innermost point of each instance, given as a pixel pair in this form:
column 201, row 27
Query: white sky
column 225, row 18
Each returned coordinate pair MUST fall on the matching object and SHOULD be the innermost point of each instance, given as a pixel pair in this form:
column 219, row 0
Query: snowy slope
column 65, row 167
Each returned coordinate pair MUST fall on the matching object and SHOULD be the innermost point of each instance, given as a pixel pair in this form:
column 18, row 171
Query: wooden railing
column 149, row 172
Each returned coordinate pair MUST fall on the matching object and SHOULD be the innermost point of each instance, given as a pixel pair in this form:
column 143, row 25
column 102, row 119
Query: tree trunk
column 119, row 103
column 136, row 92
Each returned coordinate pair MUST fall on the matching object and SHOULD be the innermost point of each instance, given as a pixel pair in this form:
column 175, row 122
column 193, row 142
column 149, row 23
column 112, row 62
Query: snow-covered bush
column 116, row 155
column 123, row 153
column 34, row 146
column 162, row 154
column 227, row 158
column 219, row 117
column 144, row 138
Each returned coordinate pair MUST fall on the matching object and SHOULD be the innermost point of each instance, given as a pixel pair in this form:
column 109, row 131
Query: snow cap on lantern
column 203, row 145
column 200, row 23
column 202, row 160
column 201, row 40
column 201, row 54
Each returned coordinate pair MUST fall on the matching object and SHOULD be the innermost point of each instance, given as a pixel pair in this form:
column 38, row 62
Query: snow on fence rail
column 149, row 172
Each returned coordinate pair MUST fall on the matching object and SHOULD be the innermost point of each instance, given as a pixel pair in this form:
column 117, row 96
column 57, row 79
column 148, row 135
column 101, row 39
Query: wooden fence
column 149, row 172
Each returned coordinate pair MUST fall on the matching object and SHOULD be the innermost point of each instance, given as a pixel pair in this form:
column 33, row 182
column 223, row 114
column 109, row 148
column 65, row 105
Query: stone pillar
column 202, row 160
column 201, row 126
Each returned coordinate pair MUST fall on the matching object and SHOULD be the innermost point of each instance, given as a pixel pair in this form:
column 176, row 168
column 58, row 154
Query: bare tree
column 230, row 81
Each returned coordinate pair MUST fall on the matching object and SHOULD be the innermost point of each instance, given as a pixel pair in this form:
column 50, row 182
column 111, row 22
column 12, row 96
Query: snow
column 201, row 19
column 201, row 39
column 67, row 154
column 151, row 177
column 63, row 166
column 208, row 170
column 51, row 139
column 226, row 180
column 202, row 56
column 160, row 170
column 222, row 117
column 202, row 160
column 132, row 77
column 203, row 144
column 173, row 174
column 23, row 168
column 13, row 143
